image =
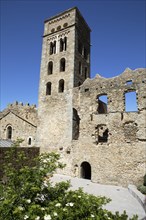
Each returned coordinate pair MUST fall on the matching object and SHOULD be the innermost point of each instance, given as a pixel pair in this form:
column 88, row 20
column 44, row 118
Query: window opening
column 75, row 124
column 9, row 132
column 86, row 170
column 48, row 88
column 29, row 141
column 62, row 65
column 131, row 101
column 61, row 86
column 102, row 104
column 101, row 133
column 63, row 44
column 129, row 82
column 59, row 28
column 50, row 67
column 53, row 47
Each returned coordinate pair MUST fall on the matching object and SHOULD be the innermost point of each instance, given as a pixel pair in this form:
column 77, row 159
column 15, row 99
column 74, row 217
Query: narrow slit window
column 131, row 102
column 29, row 141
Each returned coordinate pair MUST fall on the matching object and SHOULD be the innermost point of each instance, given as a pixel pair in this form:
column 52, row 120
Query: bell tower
column 65, row 64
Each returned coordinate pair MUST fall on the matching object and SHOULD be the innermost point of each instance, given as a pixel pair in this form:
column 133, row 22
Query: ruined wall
column 19, row 121
column 113, row 143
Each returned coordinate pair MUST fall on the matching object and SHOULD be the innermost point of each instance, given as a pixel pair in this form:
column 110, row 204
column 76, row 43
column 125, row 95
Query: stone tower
column 65, row 64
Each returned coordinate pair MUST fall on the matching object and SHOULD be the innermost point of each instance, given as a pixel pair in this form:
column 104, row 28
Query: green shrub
column 29, row 194
column 142, row 189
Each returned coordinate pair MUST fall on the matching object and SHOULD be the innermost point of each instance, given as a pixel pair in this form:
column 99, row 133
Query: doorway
column 86, row 170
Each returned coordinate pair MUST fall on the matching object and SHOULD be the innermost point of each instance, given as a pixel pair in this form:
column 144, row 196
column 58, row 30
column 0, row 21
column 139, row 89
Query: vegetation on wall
column 142, row 188
column 27, row 193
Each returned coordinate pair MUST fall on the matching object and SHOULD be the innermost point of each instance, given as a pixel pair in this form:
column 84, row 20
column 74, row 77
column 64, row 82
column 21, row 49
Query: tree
column 29, row 194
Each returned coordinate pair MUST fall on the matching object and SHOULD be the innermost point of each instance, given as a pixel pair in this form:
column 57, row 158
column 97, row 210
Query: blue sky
column 117, row 38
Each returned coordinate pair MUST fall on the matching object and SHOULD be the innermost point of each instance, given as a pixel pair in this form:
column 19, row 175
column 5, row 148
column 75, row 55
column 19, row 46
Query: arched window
column 62, row 65
column 50, row 67
column 48, row 88
column 29, row 141
column 52, row 47
column 86, row 170
column 63, row 44
column 61, row 86
column 9, row 132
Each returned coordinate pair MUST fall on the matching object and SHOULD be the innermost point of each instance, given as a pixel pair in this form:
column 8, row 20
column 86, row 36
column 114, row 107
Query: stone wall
column 113, row 143
column 22, row 120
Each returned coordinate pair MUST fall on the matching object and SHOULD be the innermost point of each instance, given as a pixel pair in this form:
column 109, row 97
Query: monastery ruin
column 97, row 140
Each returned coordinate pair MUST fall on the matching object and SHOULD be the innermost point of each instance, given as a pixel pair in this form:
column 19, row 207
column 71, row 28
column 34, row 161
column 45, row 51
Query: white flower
column 58, row 205
column 37, row 218
column 55, row 213
column 20, row 208
column 42, row 208
column 70, row 204
column 45, row 183
column 28, row 201
column 47, row 217
column 26, row 217
column 79, row 196
column 92, row 216
column 46, row 160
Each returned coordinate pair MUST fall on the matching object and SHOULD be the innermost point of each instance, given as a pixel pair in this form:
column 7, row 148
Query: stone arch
column 85, row 172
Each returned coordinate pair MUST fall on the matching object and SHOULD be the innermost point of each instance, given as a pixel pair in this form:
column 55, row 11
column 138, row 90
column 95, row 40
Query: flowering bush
column 28, row 193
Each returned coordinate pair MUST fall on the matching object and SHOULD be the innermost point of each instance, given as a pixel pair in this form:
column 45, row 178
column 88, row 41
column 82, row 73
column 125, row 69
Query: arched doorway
column 86, row 170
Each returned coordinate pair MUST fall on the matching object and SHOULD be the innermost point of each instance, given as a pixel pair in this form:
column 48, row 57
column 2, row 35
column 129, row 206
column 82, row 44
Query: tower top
column 64, row 13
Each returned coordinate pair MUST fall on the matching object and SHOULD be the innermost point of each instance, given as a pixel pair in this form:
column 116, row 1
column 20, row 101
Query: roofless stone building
column 98, row 140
